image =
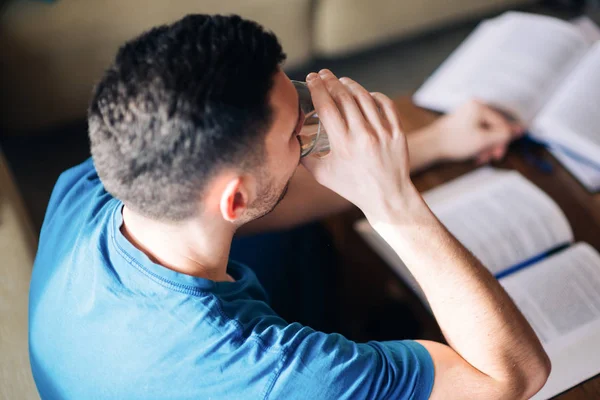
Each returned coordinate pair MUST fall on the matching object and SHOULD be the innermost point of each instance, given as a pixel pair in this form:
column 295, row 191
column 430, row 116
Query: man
column 193, row 134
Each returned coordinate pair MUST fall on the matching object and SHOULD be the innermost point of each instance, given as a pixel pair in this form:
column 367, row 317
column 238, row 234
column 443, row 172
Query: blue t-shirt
column 105, row 322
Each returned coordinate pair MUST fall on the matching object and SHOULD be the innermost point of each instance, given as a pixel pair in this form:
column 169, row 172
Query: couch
column 53, row 53
column 17, row 244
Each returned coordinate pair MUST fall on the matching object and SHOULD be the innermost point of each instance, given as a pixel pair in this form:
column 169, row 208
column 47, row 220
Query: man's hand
column 475, row 130
column 368, row 164
column 493, row 353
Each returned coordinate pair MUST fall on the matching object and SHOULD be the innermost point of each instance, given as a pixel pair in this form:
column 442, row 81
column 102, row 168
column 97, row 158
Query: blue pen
column 541, row 164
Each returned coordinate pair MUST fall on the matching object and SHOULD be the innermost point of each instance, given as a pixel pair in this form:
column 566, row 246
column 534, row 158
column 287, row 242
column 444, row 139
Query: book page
column 504, row 221
column 587, row 175
column 498, row 215
column 572, row 117
column 447, row 192
column 513, row 62
column 560, row 297
column 461, row 185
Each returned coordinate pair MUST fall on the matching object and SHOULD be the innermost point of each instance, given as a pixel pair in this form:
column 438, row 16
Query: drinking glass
column 312, row 136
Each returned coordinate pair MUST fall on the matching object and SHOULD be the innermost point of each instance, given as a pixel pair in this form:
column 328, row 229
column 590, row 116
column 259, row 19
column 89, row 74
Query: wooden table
column 581, row 208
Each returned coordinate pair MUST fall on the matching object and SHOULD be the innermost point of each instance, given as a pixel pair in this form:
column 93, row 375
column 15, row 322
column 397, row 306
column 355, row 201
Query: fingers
column 495, row 133
column 496, row 153
column 498, row 119
column 343, row 98
column 389, row 111
column 517, row 130
column 365, row 102
column 499, row 152
column 326, row 107
column 483, row 158
column 496, row 123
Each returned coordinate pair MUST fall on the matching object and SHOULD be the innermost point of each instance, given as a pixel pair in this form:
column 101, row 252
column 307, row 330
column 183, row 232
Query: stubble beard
column 267, row 202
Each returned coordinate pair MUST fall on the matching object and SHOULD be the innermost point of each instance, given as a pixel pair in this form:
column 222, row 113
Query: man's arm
column 493, row 353
column 473, row 130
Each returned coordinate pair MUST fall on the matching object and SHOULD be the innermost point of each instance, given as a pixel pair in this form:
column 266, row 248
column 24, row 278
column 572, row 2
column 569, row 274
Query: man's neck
column 192, row 247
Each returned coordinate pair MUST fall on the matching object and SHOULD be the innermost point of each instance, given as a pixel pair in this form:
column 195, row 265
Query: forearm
column 424, row 147
column 477, row 317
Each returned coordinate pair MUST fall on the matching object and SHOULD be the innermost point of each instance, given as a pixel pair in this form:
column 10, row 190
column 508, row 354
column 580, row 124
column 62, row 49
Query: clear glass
column 313, row 138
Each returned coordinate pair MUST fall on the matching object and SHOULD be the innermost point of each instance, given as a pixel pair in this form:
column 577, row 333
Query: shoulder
column 77, row 189
column 78, row 204
column 322, row 365
column 76, row 181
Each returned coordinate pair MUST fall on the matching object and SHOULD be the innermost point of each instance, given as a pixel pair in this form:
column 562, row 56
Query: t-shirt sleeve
column 68, row 180
column 329, row 366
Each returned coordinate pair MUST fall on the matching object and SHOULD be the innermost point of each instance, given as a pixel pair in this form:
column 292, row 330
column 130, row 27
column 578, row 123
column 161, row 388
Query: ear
column 234, row 200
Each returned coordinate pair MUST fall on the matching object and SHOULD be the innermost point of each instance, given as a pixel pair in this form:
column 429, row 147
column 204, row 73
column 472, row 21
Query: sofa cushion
column 17, row 245
column 52, row 54
column 346, row 26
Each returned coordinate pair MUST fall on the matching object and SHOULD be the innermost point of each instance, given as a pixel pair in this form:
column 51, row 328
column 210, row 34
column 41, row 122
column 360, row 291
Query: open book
column 525, row 240
column 541, row 70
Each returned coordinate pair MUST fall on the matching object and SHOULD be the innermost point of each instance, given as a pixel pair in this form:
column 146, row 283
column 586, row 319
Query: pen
column 538, row 162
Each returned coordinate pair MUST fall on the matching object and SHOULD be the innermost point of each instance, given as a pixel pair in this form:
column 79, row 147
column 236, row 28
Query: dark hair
column 179, row 102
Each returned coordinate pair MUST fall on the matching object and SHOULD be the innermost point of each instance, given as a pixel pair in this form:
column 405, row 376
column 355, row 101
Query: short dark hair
column 179, row 102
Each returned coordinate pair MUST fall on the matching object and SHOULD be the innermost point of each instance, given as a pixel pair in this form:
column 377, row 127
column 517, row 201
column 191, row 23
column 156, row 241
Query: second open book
column 543, row 71
column 525, row 240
